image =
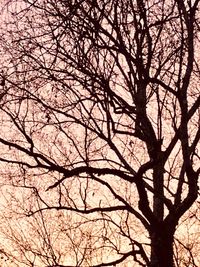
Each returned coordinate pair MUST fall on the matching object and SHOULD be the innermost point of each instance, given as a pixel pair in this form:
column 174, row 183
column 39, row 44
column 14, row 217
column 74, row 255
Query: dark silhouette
column 103, row 102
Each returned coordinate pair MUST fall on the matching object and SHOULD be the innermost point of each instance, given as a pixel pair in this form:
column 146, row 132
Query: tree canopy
column 100, row 127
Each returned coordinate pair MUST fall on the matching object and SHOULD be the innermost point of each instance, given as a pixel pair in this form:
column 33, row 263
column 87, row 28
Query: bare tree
column 100, row 115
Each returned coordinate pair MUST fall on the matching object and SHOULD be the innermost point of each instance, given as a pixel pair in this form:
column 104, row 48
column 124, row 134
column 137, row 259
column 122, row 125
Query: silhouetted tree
column 100, row 114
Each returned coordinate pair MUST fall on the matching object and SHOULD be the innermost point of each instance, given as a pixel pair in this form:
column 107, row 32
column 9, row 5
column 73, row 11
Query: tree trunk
column 162, row 248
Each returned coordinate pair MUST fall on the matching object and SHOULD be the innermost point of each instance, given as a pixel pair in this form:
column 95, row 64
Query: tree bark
column 162, row 248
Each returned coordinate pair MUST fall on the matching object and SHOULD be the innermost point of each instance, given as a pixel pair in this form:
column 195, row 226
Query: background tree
column 100, row 116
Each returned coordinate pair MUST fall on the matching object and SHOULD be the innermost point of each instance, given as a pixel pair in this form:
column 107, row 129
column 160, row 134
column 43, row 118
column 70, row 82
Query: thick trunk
column 163, row 234
column 162, row 248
